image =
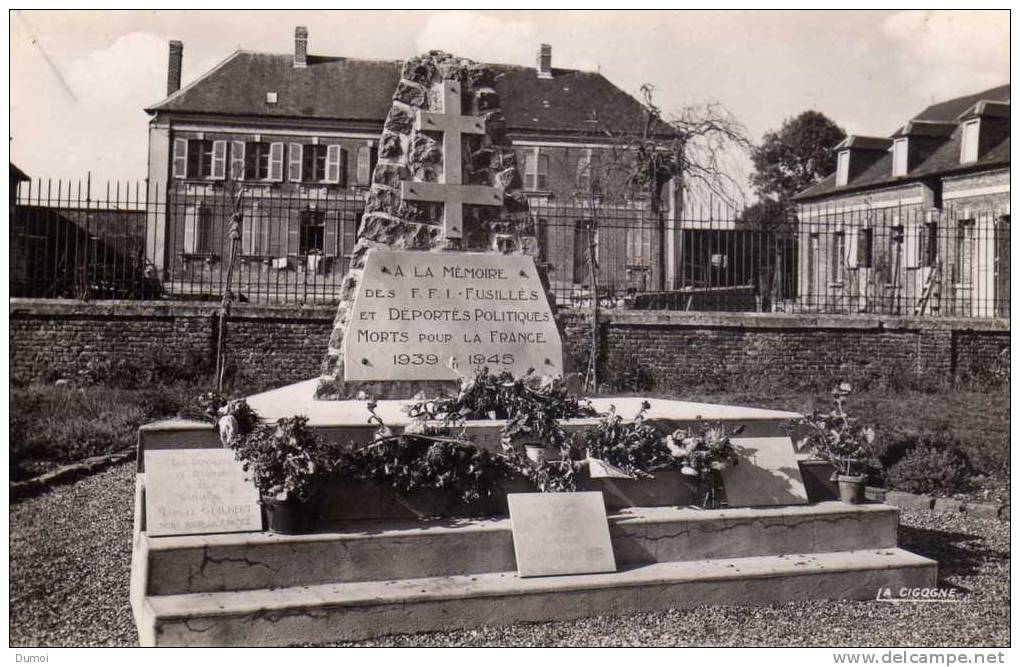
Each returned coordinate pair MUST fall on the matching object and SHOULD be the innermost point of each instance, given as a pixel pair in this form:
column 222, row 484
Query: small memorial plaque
column 419, row 316
column 192, row 491
column 560, row 533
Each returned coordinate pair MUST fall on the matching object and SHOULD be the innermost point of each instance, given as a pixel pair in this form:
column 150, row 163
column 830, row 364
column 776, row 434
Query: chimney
column 300, row 46
column 544, row 62
column 173, row 72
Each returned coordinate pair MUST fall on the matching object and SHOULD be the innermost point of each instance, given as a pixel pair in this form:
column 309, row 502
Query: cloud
column 480, row 37
column 943, row 54
column 88, row 108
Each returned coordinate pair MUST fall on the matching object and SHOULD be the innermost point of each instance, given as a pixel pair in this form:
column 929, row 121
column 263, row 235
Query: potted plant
column 288, row 462
column 841, row 440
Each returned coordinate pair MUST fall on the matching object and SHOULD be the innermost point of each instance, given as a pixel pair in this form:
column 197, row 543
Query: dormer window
column 842, row 168
column 969, row 136
column 900, row 157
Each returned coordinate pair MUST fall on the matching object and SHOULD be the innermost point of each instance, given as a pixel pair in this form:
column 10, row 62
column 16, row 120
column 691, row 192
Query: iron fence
column 74, row 240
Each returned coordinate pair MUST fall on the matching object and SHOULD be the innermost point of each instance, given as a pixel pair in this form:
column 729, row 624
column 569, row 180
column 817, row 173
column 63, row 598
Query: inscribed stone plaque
column 768, row 473
column 417, row 314
column 560, row 533
column 190, row 491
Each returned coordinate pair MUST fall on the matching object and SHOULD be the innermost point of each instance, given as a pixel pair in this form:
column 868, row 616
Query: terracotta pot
column 851, row 489
column 291, row 516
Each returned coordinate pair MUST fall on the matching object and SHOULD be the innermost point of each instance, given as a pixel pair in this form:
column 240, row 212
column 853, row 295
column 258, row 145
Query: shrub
column 928, row 468
column 628, row 374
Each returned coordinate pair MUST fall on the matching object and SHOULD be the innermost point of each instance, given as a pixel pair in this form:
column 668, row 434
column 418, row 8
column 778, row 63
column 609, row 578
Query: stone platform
column 378, row 578
column 373, row 570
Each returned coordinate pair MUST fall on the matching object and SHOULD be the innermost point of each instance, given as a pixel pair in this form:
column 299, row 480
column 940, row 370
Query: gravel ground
column 71, row 552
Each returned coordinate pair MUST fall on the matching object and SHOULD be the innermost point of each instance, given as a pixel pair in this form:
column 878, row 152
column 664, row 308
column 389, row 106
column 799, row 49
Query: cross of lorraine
column 451, row 190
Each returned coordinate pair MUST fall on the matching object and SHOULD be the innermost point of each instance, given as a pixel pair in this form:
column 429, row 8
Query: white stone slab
column 193, row 491
column 298, row 399
column 420, row 316
column 768, row 474
column 560, row 533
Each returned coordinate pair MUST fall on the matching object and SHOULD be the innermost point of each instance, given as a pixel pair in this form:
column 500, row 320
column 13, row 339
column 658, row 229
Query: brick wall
column 284, row 344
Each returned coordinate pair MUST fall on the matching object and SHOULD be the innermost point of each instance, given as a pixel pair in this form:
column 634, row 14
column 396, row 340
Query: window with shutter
column 276, row 161
column 333, row 164
column 838, row 258
column 296, row 157
column 180, row 158
column 237, row 152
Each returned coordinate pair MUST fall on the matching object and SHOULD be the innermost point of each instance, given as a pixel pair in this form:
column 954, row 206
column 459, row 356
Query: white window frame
column 901, row 155
column 842, row 168
column 532, row 172
column 969, row 143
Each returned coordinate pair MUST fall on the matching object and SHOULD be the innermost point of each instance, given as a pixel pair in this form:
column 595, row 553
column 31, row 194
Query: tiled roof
column 944, row 160
column 347, row 89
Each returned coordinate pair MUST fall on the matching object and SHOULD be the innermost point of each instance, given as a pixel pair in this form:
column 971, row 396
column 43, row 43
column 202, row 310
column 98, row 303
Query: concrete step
column 360, row 610
column 388, row 550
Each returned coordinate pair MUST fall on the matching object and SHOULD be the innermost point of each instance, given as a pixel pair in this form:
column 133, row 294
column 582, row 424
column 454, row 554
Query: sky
column 80, row 79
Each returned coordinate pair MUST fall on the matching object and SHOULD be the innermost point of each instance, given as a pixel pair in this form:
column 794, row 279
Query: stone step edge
column 68, row 473
column 457, row 587
column 367, row 530
column 905, row 500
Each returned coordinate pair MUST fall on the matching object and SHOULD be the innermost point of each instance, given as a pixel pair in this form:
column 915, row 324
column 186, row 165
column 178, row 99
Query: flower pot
column 851, row 489
column 291, row 516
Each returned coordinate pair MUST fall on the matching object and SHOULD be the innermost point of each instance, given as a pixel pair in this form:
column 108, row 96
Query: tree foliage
column 795, row 156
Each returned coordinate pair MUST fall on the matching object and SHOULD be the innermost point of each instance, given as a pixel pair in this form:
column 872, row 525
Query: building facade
column 917, row 222
column 291, row 141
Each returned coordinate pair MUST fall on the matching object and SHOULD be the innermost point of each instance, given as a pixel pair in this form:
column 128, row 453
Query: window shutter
column 294, row 233
column 190, row 230
column 542, row 181
column 911, row 251
column 276, row 161
column 249, row 231
column 364, row 167
column 294, row 170
column 851, row 250
column 331, row 233
column 219, row 160
column 180, row 158
column 237, row 161
column 348, row 236
column 333, row 164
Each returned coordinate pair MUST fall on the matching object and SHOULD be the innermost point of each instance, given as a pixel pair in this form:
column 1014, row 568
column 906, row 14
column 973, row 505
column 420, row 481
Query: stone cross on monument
column 451, row 190
column 431, row 297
